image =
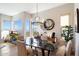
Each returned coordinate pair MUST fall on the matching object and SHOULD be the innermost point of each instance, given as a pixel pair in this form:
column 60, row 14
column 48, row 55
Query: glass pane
column 18, row 24
column 6, row 25
column 35, row 29
column 27, row 28
column 64, row 20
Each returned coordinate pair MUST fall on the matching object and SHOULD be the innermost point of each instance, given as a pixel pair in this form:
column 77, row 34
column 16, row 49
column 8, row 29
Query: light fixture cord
column 37, row 9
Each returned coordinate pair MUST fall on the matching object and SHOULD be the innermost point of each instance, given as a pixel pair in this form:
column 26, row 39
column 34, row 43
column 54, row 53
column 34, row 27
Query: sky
column 6, row 25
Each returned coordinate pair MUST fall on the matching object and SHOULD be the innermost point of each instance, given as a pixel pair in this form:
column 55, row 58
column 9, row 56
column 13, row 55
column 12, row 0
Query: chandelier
column 37, row 19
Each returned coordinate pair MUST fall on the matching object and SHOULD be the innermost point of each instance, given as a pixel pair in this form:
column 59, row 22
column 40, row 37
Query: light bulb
column 37, row 18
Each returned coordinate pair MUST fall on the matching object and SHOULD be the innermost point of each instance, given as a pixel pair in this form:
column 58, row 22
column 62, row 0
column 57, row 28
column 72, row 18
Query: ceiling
column 15, row 8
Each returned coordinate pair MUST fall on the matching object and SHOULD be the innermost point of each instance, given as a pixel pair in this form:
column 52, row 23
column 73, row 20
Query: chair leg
column 48, row 52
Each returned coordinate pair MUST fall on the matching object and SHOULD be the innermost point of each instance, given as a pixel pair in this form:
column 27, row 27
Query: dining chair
column 69, row 48
column 61, row 51
column 22, row 50
column 38, row 51
column 60, row 42
column 30, row 51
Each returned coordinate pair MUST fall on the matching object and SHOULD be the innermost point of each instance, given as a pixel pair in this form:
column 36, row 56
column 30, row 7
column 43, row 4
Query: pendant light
column 37, row 19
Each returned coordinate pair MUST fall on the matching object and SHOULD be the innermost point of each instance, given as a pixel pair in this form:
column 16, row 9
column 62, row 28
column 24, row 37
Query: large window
column 27, row 27
column 35, row 29
column 18, row 25
column 64, row 20
column 6, row 27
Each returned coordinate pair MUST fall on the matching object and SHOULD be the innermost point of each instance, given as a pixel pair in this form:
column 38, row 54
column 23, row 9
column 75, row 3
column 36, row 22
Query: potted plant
column 13, row 36
column 67, row 32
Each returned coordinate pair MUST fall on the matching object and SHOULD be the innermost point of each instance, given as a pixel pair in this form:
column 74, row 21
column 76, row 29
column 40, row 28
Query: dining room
column 37, row 29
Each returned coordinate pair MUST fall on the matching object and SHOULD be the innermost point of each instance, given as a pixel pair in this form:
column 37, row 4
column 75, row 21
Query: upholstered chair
column 61, row 51
column 60, row 42
column 22, row 50
column 69, row 48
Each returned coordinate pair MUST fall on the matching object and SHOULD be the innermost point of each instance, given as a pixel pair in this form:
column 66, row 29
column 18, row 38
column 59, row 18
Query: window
column 6, row 26
column 64, row 20
column 27, row 28
column 18, row 25
column 35, row 29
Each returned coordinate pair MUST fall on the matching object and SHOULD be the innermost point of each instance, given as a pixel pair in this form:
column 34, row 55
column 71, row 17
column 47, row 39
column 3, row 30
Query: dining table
column 43, row 45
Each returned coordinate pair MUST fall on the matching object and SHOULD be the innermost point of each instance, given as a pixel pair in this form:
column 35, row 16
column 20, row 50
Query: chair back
column 61, row 51
column 60, row 42
column 69, row 48
column 22, row 51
